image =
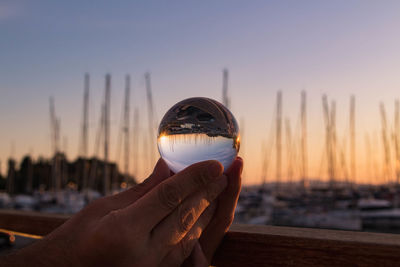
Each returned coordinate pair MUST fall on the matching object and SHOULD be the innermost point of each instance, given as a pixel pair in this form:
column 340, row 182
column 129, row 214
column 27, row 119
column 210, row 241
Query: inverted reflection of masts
column 188, row 139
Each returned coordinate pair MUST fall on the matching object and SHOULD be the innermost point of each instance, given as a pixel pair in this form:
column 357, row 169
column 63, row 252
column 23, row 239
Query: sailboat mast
column 85, row 117
column 385, row 143
column 289, row 151
column 333, row 144
column 126, row 126
column 136, row 142
column 304, row 157
column 368, row 157
column 225, row 97
column 278, row 140
column 55, row 133
column 84, row 138
column 106, row 178
column 352, row 139
column 328, row 139
column 397, row 139
column 150, row 112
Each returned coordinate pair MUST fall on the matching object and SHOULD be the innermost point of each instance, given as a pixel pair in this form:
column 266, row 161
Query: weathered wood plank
column 30, row 222
column 286, row 246
column 246, row 245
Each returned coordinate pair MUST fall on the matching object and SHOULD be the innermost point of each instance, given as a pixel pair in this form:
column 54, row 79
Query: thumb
column 159, row 174
column 161, row 171
column 127, row 197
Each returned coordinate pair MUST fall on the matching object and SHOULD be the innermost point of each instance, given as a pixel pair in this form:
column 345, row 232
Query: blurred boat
column 5, row 201
column 25, row 202
column 379, row 215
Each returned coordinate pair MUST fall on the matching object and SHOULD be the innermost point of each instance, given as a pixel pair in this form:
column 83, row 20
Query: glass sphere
column 198, row 129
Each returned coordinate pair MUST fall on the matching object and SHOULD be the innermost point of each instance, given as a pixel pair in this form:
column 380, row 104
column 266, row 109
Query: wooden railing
column 246, row 245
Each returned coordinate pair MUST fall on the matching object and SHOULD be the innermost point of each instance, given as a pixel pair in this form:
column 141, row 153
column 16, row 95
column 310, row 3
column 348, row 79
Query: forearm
column 23, row 256
column 41, row 253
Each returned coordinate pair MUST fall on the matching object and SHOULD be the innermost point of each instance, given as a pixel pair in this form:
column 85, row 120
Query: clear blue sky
column 335, row 47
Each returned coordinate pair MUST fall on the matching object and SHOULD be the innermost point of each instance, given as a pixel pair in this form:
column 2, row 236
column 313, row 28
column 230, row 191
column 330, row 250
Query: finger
column 160, row 173
column 176, row 225
column 150, row 209
column 219, row 225
column 187, row 246
column 107, row 204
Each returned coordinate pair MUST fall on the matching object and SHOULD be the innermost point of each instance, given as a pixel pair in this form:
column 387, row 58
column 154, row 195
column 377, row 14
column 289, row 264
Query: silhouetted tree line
column 58, row 173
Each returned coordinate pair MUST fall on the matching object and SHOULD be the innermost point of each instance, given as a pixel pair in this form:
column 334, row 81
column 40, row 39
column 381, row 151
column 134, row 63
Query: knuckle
column 169, row 195
column 112, row 216
column 186, row 219
column 107, row 229
column 212, row 191
column 201, row 178
column 204, row 176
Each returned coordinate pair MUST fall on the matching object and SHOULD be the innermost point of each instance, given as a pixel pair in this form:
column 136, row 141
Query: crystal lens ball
column 198, row 129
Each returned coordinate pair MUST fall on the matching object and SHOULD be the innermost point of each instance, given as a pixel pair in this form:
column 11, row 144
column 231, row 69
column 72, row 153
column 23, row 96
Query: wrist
column 42, row 253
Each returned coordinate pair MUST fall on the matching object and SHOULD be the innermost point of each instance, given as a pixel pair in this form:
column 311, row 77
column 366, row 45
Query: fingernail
column 215, row 169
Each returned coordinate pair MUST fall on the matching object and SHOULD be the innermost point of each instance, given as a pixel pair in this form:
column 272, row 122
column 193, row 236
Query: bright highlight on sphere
column 198, row 129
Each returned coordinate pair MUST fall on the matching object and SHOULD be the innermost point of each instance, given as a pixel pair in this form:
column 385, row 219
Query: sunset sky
column 336, row 48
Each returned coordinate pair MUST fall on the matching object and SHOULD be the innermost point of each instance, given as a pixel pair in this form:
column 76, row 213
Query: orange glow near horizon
column 369, row 155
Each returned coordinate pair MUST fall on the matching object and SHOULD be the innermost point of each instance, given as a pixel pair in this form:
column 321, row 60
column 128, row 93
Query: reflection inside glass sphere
column 198, row 129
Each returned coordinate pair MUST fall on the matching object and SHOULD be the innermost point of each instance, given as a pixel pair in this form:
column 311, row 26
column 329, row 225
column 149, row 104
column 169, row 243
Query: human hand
column 212, row 235
column 156, row 223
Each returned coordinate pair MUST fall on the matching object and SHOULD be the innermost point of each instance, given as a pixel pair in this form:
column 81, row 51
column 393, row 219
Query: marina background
column 314, row 87
column 323, row 48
